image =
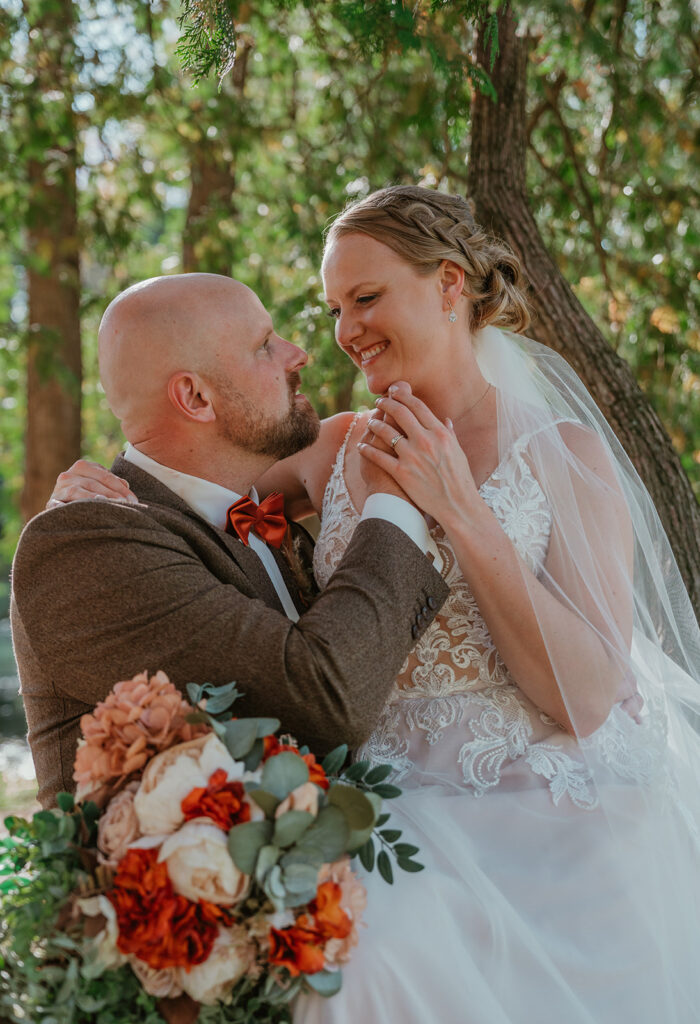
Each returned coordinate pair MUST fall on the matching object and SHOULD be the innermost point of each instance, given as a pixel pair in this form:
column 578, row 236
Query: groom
column 206, row 392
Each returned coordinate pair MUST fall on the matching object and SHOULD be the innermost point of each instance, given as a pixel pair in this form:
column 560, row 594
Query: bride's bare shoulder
column 303, row 476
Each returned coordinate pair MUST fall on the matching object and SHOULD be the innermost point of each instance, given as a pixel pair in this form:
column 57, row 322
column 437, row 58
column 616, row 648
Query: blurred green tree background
column 115, row 167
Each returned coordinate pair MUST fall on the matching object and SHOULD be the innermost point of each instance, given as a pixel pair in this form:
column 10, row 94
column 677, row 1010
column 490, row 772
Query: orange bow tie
column 267, row 519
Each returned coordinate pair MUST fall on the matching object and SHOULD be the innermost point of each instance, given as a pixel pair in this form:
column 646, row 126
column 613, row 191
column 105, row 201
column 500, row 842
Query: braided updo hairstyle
column 425, row 227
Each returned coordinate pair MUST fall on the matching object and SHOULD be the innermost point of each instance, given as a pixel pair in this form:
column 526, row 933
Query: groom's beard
column 244, row 426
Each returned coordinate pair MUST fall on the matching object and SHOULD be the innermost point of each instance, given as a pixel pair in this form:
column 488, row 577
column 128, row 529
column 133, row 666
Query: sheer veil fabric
column 562, row 881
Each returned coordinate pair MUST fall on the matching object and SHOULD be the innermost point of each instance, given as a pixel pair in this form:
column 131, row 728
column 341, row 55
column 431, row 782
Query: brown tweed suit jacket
column 102, row 591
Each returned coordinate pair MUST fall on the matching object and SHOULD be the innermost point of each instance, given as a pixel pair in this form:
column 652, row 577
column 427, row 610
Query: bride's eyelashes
column 363, row 300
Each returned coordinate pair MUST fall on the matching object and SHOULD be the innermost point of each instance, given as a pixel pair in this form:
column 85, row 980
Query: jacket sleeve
column 104, row 592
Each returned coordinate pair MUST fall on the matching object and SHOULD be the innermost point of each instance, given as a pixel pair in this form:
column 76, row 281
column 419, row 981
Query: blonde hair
column 425, row 227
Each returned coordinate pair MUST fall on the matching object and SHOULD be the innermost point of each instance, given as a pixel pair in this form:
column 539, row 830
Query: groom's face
column 256, row 383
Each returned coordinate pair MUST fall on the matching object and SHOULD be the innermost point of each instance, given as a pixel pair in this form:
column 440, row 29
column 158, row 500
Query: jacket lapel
column 150, row 491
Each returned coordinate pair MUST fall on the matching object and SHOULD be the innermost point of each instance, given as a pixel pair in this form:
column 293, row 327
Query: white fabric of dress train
column 562, row 880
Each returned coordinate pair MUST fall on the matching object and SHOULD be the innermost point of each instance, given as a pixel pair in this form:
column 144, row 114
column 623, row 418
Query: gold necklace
column 474, row 405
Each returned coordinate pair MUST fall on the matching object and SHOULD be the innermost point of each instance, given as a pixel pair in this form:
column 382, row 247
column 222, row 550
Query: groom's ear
column 191, row 397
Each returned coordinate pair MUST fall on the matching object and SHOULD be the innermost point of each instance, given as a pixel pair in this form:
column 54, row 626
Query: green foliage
column 44, row 958
column 325, row 102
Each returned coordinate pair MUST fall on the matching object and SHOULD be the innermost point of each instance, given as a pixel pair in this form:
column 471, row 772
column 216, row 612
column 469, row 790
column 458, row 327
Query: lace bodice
column 455, row 712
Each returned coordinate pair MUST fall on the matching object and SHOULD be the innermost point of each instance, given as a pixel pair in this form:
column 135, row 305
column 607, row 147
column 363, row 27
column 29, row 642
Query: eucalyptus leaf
column 240, row 735
column 267, row 802
column 300, row 878
column 357, row 808
column 65, row 802
column 327, row 837
column 326, row 983
column 291, row 826
column 267, row 858
column 283, row 773
column 254, row 756
column 245, row 842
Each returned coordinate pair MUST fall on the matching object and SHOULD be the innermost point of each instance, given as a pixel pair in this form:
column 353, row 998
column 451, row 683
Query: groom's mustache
column 293, row 383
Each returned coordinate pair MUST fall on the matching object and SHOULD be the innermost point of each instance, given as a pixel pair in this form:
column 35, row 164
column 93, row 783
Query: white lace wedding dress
column 521, row 915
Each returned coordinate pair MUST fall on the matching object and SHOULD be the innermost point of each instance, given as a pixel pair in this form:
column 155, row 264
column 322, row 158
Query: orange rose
column 220, row 800
column 353, row 900
column 156, row 924
column 329, row 917
column 296, row 948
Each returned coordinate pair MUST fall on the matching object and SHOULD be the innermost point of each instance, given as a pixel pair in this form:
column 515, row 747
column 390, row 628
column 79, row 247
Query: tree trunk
column 204, row 247
column 497, row 184
column 54, row 370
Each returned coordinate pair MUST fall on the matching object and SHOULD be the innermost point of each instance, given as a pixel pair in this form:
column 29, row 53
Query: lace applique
column 633, row 752
column 501, row 732
column 386, row 745
column 434, row 716
column 564, row 775
column 339, row 518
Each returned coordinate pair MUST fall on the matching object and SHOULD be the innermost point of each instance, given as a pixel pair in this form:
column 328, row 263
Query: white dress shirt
column 212, row 502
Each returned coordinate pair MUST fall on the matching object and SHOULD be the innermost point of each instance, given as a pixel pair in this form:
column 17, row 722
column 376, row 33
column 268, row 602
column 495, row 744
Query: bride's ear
column 451, row 278
column 190, row 396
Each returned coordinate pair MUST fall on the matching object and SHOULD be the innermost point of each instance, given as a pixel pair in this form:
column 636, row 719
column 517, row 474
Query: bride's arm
column 540, row 632
column 301, row 478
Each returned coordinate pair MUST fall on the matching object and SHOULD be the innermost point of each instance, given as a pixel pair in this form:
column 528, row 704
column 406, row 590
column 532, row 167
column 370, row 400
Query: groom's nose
column 295, row 357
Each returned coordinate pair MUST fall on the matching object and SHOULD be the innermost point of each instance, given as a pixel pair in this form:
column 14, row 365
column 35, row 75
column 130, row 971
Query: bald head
column 165, row 325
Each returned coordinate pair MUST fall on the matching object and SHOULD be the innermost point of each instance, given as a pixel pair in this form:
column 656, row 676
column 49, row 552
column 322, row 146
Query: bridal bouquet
column 201, row 873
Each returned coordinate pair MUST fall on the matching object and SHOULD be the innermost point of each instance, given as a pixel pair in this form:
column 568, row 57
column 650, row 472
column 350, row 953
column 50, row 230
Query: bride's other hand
column 427, row 461
column 88, row 480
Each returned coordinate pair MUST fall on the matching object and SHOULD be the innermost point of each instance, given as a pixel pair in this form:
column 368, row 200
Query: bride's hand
column 90, row 480
column 427, row 461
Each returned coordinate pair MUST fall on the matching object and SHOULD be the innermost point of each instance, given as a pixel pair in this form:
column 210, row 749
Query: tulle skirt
column 529, row 913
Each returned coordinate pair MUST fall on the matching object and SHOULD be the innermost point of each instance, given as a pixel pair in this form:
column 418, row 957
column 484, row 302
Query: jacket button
column 424, row 610
column 414, row 632
column 432, row 603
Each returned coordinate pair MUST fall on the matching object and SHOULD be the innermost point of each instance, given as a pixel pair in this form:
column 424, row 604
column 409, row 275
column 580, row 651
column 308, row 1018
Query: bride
column 544, row 727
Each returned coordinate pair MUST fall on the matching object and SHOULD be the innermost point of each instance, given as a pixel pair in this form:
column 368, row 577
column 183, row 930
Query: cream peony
column 172, row 775
column 200, row 866
column 104, row 943
column 303, row 798
column 118, row 827
column 163, row 984
column 231, row 958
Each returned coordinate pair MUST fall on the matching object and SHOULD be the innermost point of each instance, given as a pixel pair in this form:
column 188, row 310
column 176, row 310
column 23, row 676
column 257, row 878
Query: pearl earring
column 452, row 316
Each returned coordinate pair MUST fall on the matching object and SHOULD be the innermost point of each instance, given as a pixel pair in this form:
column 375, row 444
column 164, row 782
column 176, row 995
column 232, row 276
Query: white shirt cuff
column 408, row 518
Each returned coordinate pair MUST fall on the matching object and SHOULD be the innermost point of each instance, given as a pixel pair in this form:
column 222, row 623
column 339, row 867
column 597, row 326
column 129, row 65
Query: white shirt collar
column 210, row 500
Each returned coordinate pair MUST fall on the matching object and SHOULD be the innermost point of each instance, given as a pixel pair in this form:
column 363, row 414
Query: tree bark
column 213, row 178
column 54, row 370
column 497, row 185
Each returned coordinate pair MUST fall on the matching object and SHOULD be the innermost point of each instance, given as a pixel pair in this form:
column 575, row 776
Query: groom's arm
column 105, row 591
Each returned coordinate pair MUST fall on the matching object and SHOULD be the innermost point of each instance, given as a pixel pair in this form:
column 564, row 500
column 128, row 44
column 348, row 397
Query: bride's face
column 387, row 316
